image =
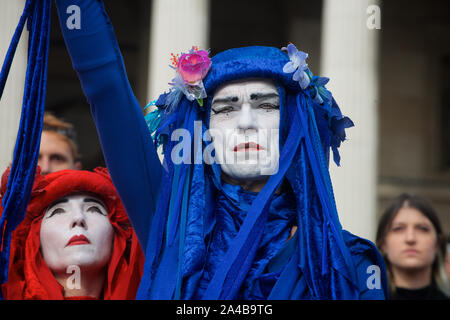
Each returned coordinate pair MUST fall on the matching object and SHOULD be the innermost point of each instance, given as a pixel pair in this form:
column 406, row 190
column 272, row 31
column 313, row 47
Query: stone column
column 350, row 59
column 176, row 26
column 11, row 101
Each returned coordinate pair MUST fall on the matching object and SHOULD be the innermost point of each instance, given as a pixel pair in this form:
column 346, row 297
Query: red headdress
column 30, row 278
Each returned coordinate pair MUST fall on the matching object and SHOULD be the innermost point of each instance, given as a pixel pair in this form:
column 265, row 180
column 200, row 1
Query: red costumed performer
column 31, row 276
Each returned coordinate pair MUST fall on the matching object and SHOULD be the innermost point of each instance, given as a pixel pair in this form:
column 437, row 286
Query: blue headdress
column 311, row 124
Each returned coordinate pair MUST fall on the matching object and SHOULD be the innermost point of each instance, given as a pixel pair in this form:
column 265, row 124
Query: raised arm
column 126, row 142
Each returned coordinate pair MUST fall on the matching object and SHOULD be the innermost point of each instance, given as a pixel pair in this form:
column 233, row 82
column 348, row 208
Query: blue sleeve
column 125, row 139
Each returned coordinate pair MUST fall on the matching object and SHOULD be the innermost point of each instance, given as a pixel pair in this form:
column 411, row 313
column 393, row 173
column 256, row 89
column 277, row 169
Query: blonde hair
column 64, row 130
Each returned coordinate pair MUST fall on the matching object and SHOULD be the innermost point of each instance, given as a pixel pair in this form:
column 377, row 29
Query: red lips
column 247, row 146
column 78, row 240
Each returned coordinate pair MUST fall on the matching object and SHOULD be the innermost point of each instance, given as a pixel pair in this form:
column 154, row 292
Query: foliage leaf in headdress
column 322, row 98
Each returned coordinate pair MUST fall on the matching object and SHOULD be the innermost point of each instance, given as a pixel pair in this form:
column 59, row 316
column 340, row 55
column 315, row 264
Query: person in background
column 58, row 150
column 412, row 242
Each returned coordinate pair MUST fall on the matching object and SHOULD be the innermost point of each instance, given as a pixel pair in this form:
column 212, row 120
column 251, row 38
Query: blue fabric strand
column 26, row 150
column 324, row 194
column 182, row 236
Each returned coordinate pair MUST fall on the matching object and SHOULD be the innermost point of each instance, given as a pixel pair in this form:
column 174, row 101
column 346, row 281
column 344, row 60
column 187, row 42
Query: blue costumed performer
column 242, row 205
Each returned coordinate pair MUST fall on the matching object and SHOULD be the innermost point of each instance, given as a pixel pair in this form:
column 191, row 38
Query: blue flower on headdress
column 322, row 96
column 297, row 65
column 319, row 94
column 337, row 124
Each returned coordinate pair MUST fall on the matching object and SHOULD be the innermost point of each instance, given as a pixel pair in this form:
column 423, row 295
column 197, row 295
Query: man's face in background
column 55, row 153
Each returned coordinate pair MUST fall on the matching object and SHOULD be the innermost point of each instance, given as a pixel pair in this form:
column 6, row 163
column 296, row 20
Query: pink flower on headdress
column 194, row 66
column 191, row 69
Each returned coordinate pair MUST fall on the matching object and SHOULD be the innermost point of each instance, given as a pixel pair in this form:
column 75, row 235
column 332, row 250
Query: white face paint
column 76, row 231
column 244, row 125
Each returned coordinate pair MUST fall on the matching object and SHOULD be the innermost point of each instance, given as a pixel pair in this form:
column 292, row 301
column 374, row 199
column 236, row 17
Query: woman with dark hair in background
column 412, row 242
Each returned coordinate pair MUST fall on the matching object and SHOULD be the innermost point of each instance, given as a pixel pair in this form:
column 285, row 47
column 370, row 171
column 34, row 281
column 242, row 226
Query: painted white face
column 244, row 125
column 75, row 230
